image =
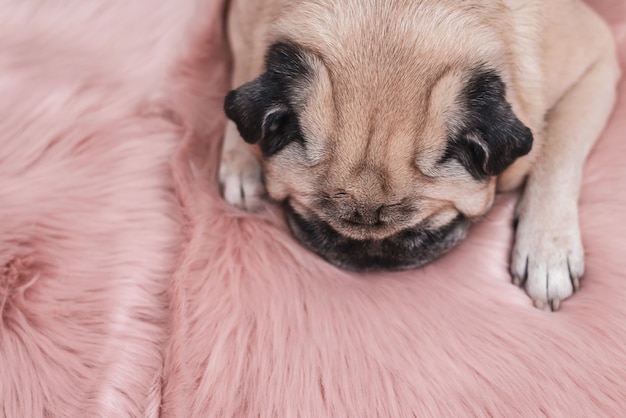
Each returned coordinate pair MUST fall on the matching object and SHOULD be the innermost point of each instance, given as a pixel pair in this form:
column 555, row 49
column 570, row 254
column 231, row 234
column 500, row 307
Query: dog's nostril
column 363, row 215
column 340, row 195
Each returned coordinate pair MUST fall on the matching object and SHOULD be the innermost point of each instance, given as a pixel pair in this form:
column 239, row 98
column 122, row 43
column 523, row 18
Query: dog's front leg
column 240, row 173
column 548, row 257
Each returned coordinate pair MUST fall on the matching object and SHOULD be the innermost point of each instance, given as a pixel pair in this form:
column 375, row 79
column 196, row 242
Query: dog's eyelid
column 430, row 173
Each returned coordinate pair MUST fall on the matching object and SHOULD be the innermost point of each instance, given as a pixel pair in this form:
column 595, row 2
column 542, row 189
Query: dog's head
column 382, row 140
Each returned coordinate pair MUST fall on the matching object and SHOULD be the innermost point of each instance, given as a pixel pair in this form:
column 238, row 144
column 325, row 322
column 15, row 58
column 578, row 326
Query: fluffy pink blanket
column 129, row 288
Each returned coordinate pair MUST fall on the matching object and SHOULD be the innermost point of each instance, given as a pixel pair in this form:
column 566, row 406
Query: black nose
column 362, row 215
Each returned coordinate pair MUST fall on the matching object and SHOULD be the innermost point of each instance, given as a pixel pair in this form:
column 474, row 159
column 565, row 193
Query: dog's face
column 381, row 165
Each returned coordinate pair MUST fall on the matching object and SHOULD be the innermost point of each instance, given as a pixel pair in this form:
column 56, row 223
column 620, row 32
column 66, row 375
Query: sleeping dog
column 387, row 126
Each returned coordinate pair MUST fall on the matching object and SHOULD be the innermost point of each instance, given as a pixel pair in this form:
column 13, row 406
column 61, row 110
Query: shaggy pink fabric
column 129, row 288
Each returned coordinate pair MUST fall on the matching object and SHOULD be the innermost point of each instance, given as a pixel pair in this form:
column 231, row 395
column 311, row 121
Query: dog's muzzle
column 409, row 248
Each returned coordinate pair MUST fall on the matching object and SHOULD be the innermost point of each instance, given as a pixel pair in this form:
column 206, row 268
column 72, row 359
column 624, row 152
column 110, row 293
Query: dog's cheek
column 288, row 173
column 476, row 204
column 275, row 185
column 283, row 179
column 443, row 217
column 470, row 198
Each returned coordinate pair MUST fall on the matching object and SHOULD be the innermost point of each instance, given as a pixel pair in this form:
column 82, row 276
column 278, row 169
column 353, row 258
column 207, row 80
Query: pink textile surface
column 129, row 288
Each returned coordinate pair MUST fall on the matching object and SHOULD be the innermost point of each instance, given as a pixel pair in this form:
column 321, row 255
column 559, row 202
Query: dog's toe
column 519, row 269
column 576, row 267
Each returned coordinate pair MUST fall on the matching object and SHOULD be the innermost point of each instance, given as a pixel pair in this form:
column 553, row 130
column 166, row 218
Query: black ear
column 263, row 109
column 490, row 137
column 253, row 105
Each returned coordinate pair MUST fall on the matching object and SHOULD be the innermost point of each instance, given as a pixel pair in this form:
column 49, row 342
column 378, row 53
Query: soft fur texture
column 129, row 288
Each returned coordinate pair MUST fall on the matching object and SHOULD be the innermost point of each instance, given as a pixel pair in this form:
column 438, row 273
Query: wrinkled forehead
column 357, row 34
column 380, row 75
column 353, row 122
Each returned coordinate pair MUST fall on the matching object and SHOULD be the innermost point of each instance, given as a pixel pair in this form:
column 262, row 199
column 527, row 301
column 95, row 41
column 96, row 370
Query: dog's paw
column 548, row 258
column 241, row 179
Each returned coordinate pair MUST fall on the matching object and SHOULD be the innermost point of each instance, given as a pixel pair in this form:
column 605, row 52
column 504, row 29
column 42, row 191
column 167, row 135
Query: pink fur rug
column 129, row 288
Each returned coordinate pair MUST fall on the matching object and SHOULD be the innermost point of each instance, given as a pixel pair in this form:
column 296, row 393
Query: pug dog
column 387, row 126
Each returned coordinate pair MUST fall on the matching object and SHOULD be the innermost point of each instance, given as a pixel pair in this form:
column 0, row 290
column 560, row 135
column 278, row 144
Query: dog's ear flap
column 263, row 109
column 256, row 108
column 491, row 137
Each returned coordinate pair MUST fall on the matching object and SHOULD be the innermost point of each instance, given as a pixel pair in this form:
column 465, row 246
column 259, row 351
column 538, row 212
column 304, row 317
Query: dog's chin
column 410, row 248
